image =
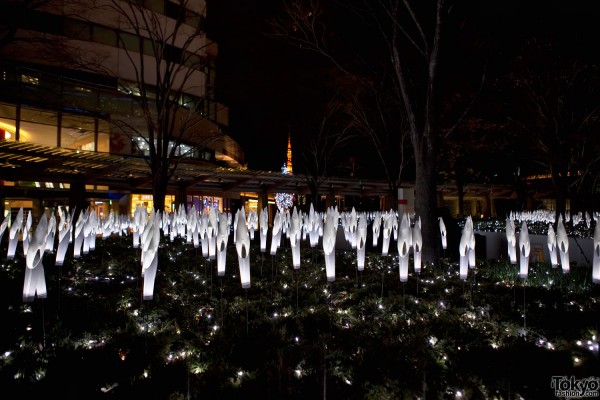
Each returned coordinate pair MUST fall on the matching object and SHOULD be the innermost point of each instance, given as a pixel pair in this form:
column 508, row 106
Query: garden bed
column 293, row 334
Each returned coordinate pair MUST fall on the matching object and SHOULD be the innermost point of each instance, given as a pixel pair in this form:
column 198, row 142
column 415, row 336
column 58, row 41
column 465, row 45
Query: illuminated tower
column 288, row 164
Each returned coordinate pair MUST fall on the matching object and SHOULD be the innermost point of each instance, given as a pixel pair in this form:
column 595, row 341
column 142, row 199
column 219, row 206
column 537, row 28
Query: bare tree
column 410, row 37
column 374, row 112
column 167, row 58
column 560, row 114
column 330, row 135
column 481, row 151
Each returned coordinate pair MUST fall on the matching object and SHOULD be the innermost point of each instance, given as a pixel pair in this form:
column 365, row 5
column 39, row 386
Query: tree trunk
column 393, row 185
column 314, row 194
column 426, row 204
column 159, row 190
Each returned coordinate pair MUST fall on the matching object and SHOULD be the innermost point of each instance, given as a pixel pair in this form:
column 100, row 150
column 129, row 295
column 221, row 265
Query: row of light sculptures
column 558, row 247
column 547, row 217
column 210, row 230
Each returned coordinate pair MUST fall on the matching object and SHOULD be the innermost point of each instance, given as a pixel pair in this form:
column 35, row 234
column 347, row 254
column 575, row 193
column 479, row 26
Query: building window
column 30, row 79
column 78, row 132
column 38, row 127
column 104, row 35
column 77, row 29
column 103, row 144
column 7, row 122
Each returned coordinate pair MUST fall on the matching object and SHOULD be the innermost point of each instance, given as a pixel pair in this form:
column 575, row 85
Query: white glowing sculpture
column 181, row 220
column 13, row 235
column 552, row 249
column 319, row 221
column 108, row 225
column 51, row 233
column 389, row 222
column 78, row 233
column 404, row 245
column 443, row 233
column 87, row 229
column 166, row 224
column 417, row 245
column 203, row 233
column 235, row 224
column 145, row 230
column 4, row 225
column 376, row 228
column 329, row 237
column 276, row 232
column 211, row 232
column 562, row 243
column 263, row 226
column 72, row 225
column 27, row 232
column 511, row 238
column 190, row 227
column 464, row 249
column 137, row 222
column 396, row 225
column 125, row 224
column 471, row 258
column 588, row 220
column 315, row 224
column 304, row 223
column 361, row 241
column 252, row 222
column 352, row 227
column 596, row 256
column 524, row 250
column 89, row 232
column 172, row 226
column 222, row 239
column 64, row 233
column 150, row 241
column 294, row 233
column 230, row 219
column 35, row 281
column 242, row 245
column 285, row 222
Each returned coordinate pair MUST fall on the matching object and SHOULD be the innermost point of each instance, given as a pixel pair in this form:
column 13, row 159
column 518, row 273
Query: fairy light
column 285, row 201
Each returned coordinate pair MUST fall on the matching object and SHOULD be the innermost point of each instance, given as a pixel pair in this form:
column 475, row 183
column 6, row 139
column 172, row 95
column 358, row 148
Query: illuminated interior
column 146, row 201
column 7, row 132
column 205, row 203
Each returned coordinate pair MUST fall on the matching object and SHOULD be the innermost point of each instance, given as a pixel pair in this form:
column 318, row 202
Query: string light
column 285, row 201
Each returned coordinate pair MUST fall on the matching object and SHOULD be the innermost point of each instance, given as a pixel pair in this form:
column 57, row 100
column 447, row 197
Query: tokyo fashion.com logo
column 570, row 387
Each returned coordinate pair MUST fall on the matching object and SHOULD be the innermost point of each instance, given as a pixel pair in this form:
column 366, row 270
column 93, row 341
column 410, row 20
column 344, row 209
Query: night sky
column 272, row 89
column 267, row 84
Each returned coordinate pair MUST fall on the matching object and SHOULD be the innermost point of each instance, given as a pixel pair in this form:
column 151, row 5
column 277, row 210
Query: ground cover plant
column 293, row 334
